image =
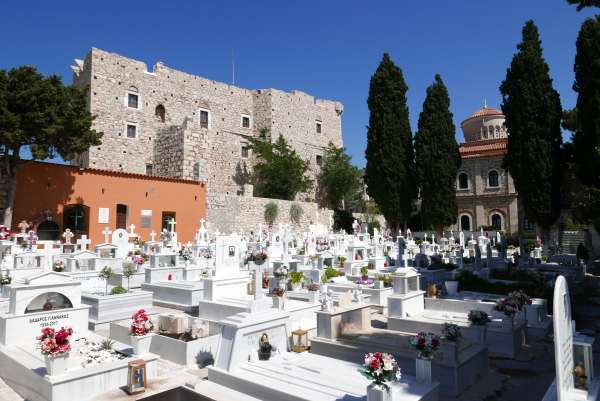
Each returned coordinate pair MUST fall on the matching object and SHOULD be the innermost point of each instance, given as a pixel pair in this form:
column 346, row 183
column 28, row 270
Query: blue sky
column 326, row 48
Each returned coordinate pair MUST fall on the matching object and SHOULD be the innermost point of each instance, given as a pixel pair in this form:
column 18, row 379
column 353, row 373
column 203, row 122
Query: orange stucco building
column 53, row 197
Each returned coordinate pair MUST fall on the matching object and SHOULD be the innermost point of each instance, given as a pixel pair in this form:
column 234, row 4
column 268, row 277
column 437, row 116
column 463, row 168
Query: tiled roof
column 486, row 111
column 490, row 147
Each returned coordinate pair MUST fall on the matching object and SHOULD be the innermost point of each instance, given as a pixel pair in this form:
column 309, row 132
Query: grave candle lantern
column 136, row 378
column 299, row 340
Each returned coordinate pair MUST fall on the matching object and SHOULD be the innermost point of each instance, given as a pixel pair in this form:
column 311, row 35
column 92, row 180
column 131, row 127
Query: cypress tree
column 587, row 86
column 437, row 158
column 581, row 4
column 389, row 173
column 533, row 114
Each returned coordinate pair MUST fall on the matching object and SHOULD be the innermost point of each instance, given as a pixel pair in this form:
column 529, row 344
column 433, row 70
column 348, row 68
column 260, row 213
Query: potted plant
column 364, row 272
column 426, row 344
column 296, row 280
column 55, row 347
column 140, row 332
column 281, row 275
column 313, row 291
column 58, row 266
column 278, row 298
column 381, row 369
column 186, row 255
column 342, row 260
column 452, row 336
column 128, row 271
column 106, row 273
column 479, row 320
column 4, row 282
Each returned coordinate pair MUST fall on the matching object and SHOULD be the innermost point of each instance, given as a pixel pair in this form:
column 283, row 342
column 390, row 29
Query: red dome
column 486, row 111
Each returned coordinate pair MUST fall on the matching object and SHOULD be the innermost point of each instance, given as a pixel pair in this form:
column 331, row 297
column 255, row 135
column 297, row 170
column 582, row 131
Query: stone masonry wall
column 211, row 153
column 249, row 213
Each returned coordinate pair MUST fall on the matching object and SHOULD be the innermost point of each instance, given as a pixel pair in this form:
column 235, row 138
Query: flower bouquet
column 427, row 344
column 140, row 332
column 58, row 266
column 451, row 332
column 381, row 368
column 55, row 347
column 313, row 287
column 507, row 306
column 478, row 317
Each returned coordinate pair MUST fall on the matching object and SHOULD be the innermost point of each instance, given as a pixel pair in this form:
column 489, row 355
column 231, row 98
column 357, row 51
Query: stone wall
column 211, row 154
column 228, row 213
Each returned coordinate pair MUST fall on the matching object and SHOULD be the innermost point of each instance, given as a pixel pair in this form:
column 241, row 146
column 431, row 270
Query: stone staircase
column 569, row 240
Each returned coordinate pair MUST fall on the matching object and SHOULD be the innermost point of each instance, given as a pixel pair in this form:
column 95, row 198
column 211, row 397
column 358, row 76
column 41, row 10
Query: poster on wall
column 103, row 215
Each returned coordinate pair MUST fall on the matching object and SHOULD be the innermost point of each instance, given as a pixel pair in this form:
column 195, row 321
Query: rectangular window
column 145, row 218
column 132, row 100
column 131, row 131
column 166, row 220
column 319, row 160
column 122, row 216
column 245, row 151
column 318, row 127
column 203, row 118
column 245, row 121
column 148, row 169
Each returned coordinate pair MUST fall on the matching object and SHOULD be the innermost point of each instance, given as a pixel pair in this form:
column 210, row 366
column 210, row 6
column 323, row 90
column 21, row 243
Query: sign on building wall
column 103, row 215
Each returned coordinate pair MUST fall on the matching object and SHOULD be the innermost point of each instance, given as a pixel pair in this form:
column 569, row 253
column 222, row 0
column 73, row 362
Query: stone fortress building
column 485, row 192
column 166, row 122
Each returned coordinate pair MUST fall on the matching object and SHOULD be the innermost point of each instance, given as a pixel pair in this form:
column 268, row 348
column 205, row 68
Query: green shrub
column 118, row 290
column 329, row 273
column 296, row 277
column 296, row 213
column 271, row 213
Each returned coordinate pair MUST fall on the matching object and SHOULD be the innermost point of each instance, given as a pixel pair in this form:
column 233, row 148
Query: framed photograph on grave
column 231, row 251
column 136, row 379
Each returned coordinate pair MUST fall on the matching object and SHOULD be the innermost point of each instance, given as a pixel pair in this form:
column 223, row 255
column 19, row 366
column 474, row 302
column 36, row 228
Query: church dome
column 484, row 124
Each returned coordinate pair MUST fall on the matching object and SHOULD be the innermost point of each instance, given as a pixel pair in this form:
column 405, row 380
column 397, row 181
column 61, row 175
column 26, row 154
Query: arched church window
column 463, row 181
column 160, row 113
column 493, row 179
column 465, row 222
column 48, row 231
column 496, row 221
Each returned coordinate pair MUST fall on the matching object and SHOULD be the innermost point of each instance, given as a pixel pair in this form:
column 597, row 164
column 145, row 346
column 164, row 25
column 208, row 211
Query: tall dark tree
column 581, row 4
column 42, row 114
column 390, row 169
column 437, row 158
column 533, row 115
column 587, row 86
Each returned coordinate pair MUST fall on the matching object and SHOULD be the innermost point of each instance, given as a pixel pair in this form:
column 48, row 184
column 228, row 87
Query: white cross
column 83, row 242
column 152, row 235
column 202, row 221
column 67, row 235
column 172, row 223
column 131, row 229
column 106, row 233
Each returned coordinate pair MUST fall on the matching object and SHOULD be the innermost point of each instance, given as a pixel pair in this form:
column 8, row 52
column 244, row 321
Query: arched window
column 76, row 218
column 493, row 179
column 48, row 230
column 463, row 181
column 47, row 302
column 465, row 222
column 160, row 112
column 496, row 221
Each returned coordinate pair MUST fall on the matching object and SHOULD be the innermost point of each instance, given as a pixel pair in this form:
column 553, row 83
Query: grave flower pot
column 278, row 302
column 450, row 350
column 56, row 364
column 479, row 334
column 507, row 323
column 141, row 344
column 423, row 370
column 376, row 392
column 313, row 296
column 296, row 286
column 378, row 284
column 451, row 287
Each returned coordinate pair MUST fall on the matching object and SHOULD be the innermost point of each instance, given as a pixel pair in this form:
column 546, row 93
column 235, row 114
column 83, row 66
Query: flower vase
column 479, row 334
column 451, row 287
column 278, row 303
column 57, row 364
column 141, row 344
column 296, row 286
column 423, row 370
column 4, row 291
column 507, row 323
column 449, row 350
column 376, row 392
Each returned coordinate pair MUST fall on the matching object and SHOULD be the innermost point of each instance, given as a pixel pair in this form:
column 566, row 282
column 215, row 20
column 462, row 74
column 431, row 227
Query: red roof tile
column 490, row 147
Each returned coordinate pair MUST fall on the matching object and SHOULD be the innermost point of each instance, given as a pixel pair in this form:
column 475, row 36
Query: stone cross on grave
column 68, row 235
column 106, row 232
column 152, row 235
column 83, row 242
column 202, row 221
column 132, row 231
column 172, row 223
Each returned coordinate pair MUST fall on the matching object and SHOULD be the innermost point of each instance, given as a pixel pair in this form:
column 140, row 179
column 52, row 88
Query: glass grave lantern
column 583, row 360
column 136, row 376
column 299, row 340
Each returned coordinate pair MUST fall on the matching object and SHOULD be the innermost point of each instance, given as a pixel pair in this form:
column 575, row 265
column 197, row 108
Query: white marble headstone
column 120, row 238
column 563, row 340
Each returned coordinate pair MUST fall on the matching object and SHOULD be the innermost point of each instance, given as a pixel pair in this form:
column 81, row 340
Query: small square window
column 319, row 160
column 132, row 100
column 149, row 169
column 245, row 151
column 245, row 122
column 318, row 127
column 131, row 131
column 203, row 118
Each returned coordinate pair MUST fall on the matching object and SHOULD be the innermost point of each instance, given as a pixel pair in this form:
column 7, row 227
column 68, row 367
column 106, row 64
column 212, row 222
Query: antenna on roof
column 232, row 67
